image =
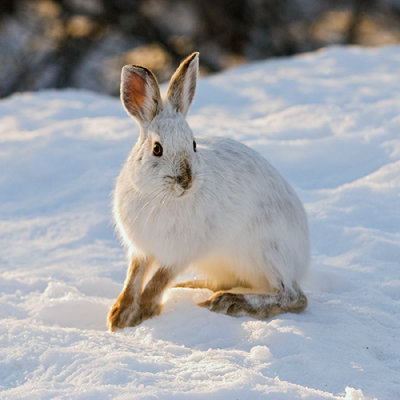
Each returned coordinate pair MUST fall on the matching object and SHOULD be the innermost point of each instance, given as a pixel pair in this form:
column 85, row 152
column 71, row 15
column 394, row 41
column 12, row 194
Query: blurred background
column 84, row 43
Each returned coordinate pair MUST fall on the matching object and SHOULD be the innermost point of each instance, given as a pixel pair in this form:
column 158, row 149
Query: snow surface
column 329, row 121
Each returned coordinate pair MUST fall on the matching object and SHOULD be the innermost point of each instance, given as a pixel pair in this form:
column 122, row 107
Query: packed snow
column 329, row 121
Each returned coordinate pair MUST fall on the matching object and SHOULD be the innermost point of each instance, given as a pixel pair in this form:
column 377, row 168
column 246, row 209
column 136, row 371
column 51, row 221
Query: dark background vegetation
column 84, row 43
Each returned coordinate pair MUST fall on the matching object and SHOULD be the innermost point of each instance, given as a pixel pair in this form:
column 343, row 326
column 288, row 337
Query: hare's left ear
column 183, row 84
column 140, row 93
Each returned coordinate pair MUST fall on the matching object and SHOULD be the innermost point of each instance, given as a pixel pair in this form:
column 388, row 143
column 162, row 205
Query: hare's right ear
column 140, row 93
column 183, row 84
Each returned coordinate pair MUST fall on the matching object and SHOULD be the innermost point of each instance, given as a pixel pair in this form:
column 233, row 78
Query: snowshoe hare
column 208, row 203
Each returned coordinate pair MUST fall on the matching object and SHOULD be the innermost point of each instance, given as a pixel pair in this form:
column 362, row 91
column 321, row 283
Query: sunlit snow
column 328, row 121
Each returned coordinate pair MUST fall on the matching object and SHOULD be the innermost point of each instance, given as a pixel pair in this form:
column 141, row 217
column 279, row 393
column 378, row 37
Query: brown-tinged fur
column 185, row 177
column 176, row 87
column 194, row 284
column 244, row 301
column 115, row 320
column 204, row 284
column 134, row 305
column 150, row 301
column 256, row 305
column 123, row 310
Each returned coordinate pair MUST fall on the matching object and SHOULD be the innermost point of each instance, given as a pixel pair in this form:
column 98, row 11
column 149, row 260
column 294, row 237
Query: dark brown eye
column 157, row 149
column 194, row 146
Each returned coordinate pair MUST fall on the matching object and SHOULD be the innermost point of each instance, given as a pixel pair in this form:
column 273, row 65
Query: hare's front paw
column 123, row 312
column 147, row 311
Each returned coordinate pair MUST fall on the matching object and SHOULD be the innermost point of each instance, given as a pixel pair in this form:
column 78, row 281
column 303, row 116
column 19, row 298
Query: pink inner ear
column 136, row 90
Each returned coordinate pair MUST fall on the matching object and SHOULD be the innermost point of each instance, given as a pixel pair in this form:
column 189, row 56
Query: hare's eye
column 157, row 149
column 194, row 146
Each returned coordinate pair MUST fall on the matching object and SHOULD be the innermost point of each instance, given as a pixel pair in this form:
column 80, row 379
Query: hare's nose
column 182, row 181
column 185, row 177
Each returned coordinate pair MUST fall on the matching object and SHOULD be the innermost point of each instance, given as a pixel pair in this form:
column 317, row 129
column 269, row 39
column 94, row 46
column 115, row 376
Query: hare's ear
column 183, row 84
column 140, row 93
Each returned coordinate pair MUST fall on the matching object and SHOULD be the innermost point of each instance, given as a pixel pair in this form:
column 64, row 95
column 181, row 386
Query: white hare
column 208, row 203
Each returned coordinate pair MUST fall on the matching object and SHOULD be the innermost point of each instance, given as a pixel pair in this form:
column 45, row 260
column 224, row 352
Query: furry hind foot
column 238, row 305
column 255, row 305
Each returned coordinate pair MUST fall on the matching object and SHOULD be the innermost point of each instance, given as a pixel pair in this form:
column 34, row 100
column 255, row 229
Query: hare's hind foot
column 255, row 305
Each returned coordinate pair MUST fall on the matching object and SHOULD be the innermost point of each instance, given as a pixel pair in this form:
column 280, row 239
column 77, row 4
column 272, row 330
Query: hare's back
column 237, row 163
column 247, row 185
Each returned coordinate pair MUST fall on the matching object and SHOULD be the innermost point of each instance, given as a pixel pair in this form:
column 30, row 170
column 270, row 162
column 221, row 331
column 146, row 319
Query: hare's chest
column 171, row 233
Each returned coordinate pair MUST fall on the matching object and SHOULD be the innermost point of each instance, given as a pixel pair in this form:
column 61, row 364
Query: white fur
column 240, row 223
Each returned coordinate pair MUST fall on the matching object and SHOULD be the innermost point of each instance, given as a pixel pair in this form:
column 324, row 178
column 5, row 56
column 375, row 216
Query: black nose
column 181, row 180
column 185, row 177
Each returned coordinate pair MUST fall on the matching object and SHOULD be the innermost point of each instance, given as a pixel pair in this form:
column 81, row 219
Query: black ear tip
column 193, row 56
column 131, row 69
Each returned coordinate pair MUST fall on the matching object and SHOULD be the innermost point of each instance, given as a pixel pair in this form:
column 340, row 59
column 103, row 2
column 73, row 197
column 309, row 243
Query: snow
column 329, row 121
